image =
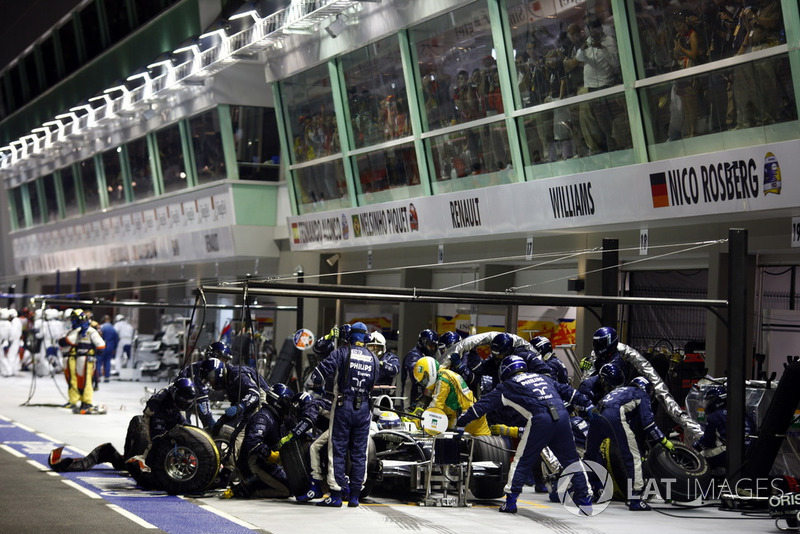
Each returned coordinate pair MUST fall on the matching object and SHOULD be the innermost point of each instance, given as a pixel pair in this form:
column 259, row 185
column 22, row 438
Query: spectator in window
column 600, row 70
column 755, row 85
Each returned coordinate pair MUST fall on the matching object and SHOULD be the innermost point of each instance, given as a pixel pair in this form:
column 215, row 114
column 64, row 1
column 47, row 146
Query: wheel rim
column 181, row 463
column 684, row 459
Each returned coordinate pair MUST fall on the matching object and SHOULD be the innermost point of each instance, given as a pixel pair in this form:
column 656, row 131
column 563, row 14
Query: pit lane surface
column 34, row 499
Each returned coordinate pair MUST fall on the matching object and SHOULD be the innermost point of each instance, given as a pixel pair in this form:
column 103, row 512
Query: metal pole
column 434, row 295
column 298, row 355
column 737, row 339
column 610, row 280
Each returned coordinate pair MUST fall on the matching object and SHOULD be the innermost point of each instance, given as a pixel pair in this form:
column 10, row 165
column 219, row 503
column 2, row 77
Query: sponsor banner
column 195, row 229
column 742, row 180
column 185, row 247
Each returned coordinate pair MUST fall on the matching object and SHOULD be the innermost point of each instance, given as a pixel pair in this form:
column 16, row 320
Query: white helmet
column 66, row 314
column 37, row 313
column 119, row 317
column 12, row 313
column 4, row 314
column 51, row 313
column 377, row 341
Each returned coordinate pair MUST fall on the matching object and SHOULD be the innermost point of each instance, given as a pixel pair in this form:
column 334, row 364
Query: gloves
column 333, row 334
column 586, row 364
column 592, row 413
column 455, row 360
column 234, row 410
column 284, row 440
column 459, row 430
column 667, row 444
column 505, row 430
column 138, row 461
column 417, row 411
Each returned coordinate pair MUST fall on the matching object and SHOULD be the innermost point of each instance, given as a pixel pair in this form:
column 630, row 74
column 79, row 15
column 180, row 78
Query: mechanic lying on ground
column 163, row 411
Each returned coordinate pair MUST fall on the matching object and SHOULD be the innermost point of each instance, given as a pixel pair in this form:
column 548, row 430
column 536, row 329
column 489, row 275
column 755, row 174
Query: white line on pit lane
column 135, row 518
column 38, row 465
column 12, row 450
column 80, row 488
column 223, row 515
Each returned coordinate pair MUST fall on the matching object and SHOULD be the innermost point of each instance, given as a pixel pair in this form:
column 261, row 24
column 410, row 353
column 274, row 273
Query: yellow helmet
column 425, row 371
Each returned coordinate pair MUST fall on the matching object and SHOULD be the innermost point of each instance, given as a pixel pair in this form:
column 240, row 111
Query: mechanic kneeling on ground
column 260, row 473
column 542, row 401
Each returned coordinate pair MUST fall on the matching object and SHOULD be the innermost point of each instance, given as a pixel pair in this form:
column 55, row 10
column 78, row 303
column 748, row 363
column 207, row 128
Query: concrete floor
column 29, row 406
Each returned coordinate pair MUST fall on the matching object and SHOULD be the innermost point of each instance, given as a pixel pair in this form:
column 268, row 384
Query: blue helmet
column 428, row 342
column 612, row 376
column 184, row 393
column 447, row 340
column 716, row 397
column 510, row 366
column 212, row 371
column 502, row 345
column 344, row 332
column 280, row 395
column 543, row 347
column 359, row 333
column 604, row 342
column 643, row 384
column 218, row 350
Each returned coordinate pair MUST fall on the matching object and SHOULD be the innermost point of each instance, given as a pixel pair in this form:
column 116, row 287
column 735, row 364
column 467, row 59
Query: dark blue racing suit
column 202, row 406
column 558, row 371
column 389, row 367
column 353, row 370
column 490, row 369
column 715, row 438
column 625, row 416
column 541, row 401
column 475, row 368
column 407, row 373
column 161, row 414
column 261, row 436
column 593, row 388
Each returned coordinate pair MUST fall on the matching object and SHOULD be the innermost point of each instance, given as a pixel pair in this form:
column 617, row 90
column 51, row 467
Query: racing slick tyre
column 184, row 460
column 373, row 469
column 490, row 449
column 135, row 439
column 296, row 464
column 612, row 461
column 682, row 475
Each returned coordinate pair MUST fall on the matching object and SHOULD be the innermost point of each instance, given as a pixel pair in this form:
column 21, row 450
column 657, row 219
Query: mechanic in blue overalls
column 260, row 473
column 502, row 345
column 558, row 371
column 427, row 345
column 624, row 416
column 713, row 444
column 542, row 402
column 354, row 370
